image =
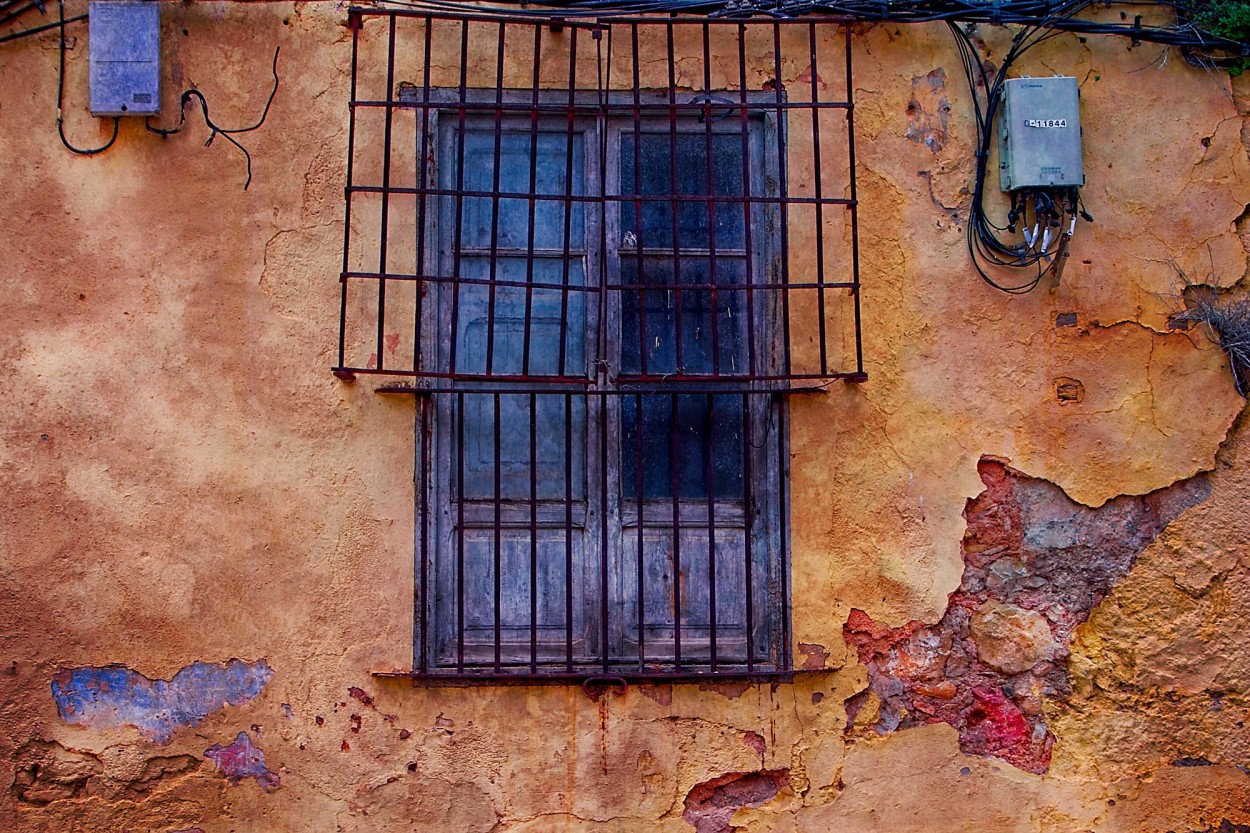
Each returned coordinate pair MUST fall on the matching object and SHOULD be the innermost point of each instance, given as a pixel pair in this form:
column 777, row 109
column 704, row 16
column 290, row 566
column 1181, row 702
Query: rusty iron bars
column 602, row 253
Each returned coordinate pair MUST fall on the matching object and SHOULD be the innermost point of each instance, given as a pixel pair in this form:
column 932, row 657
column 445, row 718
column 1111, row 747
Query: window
column 601, row 306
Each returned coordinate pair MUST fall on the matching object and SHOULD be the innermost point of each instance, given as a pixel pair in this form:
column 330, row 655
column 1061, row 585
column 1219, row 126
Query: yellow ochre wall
column 184, row 482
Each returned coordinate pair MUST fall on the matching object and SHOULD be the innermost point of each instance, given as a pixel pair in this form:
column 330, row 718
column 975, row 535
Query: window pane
column 655, row 176
column 547, row 326
column 551, row 169
column 556, row 428
column 694, row 431
column 656, row 334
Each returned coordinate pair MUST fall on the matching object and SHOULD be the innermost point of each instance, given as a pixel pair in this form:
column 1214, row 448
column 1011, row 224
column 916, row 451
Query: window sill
column 588, row 678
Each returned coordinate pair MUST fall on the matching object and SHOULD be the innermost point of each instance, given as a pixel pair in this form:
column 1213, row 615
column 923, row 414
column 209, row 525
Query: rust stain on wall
column 1035, row 565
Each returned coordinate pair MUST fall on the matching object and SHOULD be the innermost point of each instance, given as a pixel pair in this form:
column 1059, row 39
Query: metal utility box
column 124, row 45
column 1039, row 134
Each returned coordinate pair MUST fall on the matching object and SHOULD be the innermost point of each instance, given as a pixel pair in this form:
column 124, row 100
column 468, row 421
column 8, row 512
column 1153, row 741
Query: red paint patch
column 805, row 77
column 361, row 695
column 754, row 740
column 710, row 805
column 242, row 760
column 995, row 726
column 392, row 342
column 814, row 656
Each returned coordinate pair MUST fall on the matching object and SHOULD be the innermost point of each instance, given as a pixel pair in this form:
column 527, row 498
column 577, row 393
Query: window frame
column 602, row 136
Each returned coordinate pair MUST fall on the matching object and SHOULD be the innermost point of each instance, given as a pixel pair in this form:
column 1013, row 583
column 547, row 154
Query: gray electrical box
column 124, row 46
column 1039, row 134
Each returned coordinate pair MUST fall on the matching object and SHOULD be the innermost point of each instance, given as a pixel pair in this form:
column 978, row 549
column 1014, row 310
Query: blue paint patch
column 112, row 696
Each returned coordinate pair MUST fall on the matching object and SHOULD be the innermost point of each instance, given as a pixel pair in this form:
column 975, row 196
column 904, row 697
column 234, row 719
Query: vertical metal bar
column 458, row 232
column 783, row 501
column 421, row 614
column 672, row 189
column 745, row 127
column 604, row 630
column 854, row 204
column 529, row 245
column 355, row 22
column 748, row 520
column 494, row 205
column 460, row 532
column 782, row 176
column 534, row 529
column 568, row 194
column 820, row 208
column 384, row 232
column 424, row 152
column 638, row 485
column 710, row 474
column 710, row 203
column 498, row 542
column 639, row 271
column 568, row 530
column 675, row 486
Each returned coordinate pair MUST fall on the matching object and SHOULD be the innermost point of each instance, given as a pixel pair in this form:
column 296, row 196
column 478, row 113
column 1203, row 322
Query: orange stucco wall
column 183, row 480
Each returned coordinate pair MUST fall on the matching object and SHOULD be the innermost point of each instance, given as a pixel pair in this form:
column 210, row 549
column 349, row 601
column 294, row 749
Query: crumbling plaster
column 185, row 481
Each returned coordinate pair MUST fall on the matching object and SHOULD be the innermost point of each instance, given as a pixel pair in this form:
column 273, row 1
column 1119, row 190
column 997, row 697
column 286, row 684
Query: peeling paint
column 242, row 759
column 711, row 804
column 112, row 696
column 1035, row 565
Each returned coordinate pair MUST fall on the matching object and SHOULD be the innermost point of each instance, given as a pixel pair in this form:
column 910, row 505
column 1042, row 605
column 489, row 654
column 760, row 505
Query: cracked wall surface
column 185, row 483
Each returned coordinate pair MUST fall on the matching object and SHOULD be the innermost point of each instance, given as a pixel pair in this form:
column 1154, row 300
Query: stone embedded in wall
column 1035, row 565
column 242, row 759
column 1010, row 638
column 711, row 804
column 113, row 696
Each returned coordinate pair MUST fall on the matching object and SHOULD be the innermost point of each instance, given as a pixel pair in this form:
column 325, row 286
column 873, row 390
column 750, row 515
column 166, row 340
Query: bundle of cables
column 1045, row 218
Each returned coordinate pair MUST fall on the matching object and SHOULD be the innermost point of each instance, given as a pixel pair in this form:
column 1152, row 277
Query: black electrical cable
column 60, row 98
column 1061, row 15
column 983, row 242
column 228, row 133
column 38, row 30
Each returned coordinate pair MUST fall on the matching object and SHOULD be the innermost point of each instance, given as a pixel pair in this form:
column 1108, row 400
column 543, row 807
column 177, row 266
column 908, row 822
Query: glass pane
column 695, row 424
column 551, row 169
column 556, row 430
column 691, row 165
column 667, row 310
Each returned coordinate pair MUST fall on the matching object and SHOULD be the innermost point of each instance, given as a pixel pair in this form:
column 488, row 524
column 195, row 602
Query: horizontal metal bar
column 525, row 676
column 584, row 19
column 598, row 199
column 727, row 387
column 755, row 108
column 612, row 287
column 461, row 280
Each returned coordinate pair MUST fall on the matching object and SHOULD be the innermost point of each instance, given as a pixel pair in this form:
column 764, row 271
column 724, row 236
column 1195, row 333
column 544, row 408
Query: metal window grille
column 604, row 253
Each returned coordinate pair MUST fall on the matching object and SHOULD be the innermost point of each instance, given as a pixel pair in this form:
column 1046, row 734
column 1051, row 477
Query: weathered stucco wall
column 1030, row 612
